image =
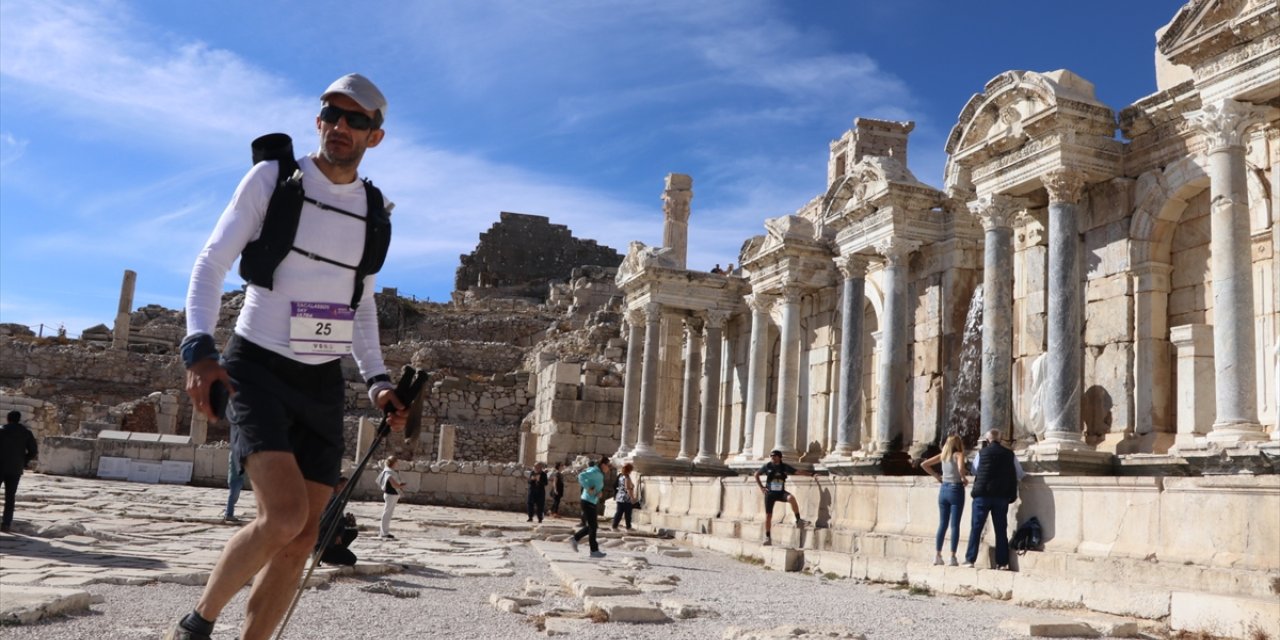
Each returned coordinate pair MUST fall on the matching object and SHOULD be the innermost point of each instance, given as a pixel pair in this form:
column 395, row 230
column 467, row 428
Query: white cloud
column 11, row 149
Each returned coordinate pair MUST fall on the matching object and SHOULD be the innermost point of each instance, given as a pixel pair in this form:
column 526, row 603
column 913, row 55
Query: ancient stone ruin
column 1099, row 282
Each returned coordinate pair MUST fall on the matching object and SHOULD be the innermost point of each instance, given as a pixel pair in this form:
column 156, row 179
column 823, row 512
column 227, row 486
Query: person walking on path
column 537, row 500
column 235, row 482
column 592, row 481
column 389, row 481
column 557, row 489
column 951, row 495
column 285, row 385
column 774, row 489
column 995, row 486
column 624, row 496
column 610, row 481
column 17, row 449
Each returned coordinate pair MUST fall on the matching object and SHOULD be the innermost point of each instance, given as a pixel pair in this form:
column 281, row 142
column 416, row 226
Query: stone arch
column 1161, row 198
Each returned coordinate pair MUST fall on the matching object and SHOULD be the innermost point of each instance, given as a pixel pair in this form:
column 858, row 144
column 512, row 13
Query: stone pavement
column 73, row 532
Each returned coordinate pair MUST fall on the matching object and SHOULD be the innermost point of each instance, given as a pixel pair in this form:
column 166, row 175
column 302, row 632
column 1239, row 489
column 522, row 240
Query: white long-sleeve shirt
column 265, row 317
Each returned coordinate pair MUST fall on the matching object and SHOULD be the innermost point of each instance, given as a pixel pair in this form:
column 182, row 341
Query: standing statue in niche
column 1035, row 417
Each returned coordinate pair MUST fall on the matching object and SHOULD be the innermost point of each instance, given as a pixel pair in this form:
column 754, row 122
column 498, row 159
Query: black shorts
column 771, row 497
column 281, row 404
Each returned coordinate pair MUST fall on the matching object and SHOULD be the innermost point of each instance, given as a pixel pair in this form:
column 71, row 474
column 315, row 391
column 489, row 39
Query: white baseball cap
column 360, row 89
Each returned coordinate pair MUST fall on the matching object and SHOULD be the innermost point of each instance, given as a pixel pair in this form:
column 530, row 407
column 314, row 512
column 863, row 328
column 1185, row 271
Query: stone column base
column 1236, row 432
column 1065, row 458
column 880, row 463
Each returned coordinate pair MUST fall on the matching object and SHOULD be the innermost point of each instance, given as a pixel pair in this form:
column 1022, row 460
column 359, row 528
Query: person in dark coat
column 537, row 501
column 17, row 450
column 995, row 487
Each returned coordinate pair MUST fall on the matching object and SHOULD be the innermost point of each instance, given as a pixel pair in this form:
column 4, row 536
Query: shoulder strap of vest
column 260, row 257
column 377, row 239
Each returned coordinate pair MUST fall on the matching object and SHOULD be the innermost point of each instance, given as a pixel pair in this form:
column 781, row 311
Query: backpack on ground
column 261, row 256
column 1027, row 537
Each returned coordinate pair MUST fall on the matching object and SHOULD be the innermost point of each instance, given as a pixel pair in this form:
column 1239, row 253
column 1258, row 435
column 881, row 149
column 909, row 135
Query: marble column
column 120, row 335
column 757, row 369
column 710, row 417
column 1065, row 311
column 675, row 216
column 849, row 406
column 892, row 374
column 1223, row 125
column 997, row 214
column 649, row 382
column 689, row 395
column 631, row 388
column 788, row 373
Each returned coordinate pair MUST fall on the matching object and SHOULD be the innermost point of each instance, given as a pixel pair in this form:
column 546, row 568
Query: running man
column 774, row 489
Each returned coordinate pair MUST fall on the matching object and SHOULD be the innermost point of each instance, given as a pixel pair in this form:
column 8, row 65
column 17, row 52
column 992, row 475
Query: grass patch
column 751, row 560
column 598, row 615
column 831, row 576
column 919, row 590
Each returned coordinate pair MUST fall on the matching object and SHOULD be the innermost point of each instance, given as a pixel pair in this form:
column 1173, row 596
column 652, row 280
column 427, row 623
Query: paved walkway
column 74, row 537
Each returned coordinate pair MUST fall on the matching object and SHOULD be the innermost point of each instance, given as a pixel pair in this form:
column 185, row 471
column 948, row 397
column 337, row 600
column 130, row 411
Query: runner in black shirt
column 775, row 489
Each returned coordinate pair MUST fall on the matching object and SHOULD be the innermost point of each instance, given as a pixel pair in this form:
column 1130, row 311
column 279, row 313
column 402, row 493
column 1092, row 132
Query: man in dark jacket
column 995, row 487
column 537, row 500
column 17, row 450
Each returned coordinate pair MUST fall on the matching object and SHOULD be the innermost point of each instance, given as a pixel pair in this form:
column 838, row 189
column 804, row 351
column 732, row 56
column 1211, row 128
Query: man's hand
column 397, row 413
column 200, row 378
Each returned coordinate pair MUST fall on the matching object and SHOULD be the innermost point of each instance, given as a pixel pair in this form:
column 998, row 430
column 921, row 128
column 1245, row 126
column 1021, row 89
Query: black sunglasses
column 355, row 119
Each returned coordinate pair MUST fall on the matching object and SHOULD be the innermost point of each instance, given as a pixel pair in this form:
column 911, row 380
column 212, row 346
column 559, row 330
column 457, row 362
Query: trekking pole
column 407, row 389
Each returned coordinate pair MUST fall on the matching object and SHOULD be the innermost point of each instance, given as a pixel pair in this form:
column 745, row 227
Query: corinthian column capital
column 1064, row 185
column 996, row 211
column 759, row 302
column 717, row 318
column 852, row 265
column 635, row 316
column 693, row 325
column 1223, row 123
column 896, row 250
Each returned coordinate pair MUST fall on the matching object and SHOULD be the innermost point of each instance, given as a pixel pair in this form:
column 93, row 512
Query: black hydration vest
column 260, row 258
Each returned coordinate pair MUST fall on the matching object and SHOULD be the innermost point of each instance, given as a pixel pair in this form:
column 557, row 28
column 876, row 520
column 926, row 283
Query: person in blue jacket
column 592, row 481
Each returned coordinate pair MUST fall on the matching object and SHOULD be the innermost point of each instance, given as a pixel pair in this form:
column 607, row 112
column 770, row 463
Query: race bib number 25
column 321, row 328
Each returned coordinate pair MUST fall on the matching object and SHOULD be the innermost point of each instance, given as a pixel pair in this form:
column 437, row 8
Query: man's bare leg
column 277, row 581
column 277, row 485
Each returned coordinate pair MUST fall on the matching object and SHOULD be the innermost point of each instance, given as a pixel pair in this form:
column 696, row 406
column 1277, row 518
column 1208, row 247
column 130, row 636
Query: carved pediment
column 1020, row 108
column 783, row 229
column 640, row 257
column 1206, row 28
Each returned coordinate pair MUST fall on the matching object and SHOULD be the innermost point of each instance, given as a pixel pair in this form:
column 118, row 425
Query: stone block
column 1224, row 615
column 609, row 413
column 1109, row 320
column 624, row 609
column 1049, row 627
column 566, row 373
column 1127, row 599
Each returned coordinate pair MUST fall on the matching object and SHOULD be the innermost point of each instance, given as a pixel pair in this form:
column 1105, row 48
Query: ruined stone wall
column 578, row 411
column 521, row 253
column 84, row 382
column 486, row 442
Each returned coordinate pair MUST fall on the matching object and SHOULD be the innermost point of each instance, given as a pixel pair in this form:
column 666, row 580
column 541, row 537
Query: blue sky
column 124, row 126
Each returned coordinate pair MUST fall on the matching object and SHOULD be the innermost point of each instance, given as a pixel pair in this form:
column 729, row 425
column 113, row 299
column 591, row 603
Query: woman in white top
column 951, row 495
column 389, row 482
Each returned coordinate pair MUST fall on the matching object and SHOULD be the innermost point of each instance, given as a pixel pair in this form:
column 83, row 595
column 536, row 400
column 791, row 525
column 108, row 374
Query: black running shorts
column 281, row 404
column 771, row 497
